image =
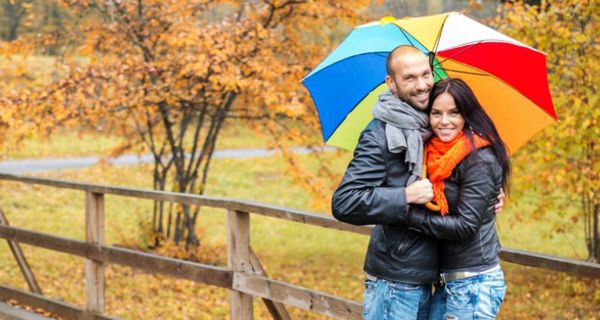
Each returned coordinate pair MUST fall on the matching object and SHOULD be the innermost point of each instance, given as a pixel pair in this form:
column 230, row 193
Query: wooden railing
column 243, row 276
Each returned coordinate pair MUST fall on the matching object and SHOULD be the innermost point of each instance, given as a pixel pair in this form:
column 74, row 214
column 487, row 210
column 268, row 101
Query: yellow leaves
column 586, row 124
column 564, row 158
column 180, row 55
column 86, row 50
column 18, row 47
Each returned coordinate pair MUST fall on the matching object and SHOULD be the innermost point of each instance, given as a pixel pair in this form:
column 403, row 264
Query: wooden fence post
column 238, row 260
column 276, row 309
column 21, row 261
column 94, row 270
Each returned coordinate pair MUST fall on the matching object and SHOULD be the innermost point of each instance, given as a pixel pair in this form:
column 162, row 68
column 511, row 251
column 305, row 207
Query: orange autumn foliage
column 562, row 164
column 167, row 74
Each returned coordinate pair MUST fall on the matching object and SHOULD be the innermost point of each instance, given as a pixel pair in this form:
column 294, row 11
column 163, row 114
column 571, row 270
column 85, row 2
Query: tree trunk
column 178, row 234
column 190, row 226
column 14, row 13
column 595, row 247
column 169, row 221
column 159, row 180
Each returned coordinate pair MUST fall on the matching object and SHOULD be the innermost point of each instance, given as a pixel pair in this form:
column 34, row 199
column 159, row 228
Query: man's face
column 412, row 79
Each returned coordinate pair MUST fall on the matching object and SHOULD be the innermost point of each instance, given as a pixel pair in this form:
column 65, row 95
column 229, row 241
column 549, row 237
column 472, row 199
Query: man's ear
column 391, row 84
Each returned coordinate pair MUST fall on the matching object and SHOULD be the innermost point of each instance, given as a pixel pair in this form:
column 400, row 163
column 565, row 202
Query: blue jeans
column 385, row 300
column 477, row 297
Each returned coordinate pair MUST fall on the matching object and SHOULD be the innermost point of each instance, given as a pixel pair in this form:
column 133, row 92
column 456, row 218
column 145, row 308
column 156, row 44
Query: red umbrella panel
column 508, row 77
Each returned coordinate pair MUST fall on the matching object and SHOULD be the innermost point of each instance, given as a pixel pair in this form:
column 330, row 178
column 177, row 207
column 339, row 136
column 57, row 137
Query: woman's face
column 445, row 119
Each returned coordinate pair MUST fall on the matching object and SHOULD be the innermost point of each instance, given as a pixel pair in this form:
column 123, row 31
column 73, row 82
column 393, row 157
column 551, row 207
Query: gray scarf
column 405, row 130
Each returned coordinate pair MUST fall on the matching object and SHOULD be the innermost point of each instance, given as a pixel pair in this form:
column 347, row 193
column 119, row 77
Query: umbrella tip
column 387, row 19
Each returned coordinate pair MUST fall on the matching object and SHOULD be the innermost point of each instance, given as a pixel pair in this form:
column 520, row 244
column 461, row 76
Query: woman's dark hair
column 476, row 120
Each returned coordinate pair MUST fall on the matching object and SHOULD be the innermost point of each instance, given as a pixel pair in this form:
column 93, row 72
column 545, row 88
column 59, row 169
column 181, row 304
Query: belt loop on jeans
column 450, row 276
column 370, row 277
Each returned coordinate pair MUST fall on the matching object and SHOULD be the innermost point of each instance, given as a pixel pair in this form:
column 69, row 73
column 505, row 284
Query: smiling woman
column 467, row 164
column 453, row 108
column 445, row 119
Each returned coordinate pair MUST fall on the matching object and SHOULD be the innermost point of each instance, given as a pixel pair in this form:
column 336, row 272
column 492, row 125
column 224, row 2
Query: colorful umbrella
column 508, row 77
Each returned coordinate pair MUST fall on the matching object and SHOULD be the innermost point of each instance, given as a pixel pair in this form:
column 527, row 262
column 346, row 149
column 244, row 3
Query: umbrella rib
column 439, row 62
column 468, row 72
column 503, row 81
column 437, row 39
column 436, row 73
column 407, row 37
column 433, row 53
column 462, row 51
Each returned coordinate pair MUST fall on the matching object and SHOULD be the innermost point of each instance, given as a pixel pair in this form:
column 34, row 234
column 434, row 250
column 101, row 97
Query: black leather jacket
column 372, row 192
column 469, row 230
column 402, row 245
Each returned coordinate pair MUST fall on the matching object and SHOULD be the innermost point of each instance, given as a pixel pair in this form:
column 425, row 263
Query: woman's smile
column 445, row 119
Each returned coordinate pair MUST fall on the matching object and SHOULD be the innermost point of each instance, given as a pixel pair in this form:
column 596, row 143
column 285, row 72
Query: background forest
column 181, row 80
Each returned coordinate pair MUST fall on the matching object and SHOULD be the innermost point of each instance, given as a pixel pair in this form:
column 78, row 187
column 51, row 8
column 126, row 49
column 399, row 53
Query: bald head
column 409, row 76
column 398, row 53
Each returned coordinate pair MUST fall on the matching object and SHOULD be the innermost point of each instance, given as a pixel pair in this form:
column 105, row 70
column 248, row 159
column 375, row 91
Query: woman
column 468, row 165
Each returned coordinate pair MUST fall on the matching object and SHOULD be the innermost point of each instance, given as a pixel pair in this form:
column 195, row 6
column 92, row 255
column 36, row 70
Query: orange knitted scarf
column 442, row 157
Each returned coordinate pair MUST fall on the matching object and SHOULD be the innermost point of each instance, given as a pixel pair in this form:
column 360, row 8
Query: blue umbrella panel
column 345, row 86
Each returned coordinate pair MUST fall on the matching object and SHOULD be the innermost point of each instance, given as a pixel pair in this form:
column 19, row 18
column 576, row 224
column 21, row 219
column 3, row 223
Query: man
column 382, row 180
column 401, row 264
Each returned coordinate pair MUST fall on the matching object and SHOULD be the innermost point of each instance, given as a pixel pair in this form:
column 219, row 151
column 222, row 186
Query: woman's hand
column 500, row 204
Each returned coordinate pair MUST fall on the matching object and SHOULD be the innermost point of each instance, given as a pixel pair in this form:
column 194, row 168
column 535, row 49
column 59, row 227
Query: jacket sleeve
column 478, row 188
column 361, row 197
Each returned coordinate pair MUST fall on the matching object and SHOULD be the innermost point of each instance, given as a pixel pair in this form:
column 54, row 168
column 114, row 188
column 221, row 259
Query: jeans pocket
column 461, row 297
column 463, row 287
column 406, row 286
column 497, row 293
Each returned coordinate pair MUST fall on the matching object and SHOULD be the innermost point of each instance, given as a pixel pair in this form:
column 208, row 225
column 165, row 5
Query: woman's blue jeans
column 477, row 297
column 385, row 300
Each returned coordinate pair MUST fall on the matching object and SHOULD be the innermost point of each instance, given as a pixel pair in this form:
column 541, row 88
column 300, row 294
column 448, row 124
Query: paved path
column 48, row 164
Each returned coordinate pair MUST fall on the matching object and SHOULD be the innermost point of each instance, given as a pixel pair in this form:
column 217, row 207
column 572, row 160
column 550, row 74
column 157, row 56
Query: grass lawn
column 313, row 257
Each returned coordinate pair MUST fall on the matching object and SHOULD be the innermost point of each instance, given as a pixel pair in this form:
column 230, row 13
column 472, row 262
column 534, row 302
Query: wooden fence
column 243, row 276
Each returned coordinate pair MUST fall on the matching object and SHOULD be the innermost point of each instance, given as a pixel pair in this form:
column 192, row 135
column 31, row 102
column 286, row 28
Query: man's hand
column 420, row 192
column 500, row 204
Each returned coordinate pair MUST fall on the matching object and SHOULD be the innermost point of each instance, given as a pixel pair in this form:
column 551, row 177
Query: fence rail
column 243, row 276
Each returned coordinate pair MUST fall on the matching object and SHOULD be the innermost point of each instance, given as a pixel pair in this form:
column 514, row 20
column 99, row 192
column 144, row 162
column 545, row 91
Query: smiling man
column 409, row 76
column 381, row 181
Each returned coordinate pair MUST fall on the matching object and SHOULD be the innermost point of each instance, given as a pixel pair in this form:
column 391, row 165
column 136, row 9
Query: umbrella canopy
column 508, row 77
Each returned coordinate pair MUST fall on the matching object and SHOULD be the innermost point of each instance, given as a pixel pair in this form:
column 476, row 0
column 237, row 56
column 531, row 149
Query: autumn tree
column 167, row 74
column 13, row 13
column 564, row 160
column 15, row 77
